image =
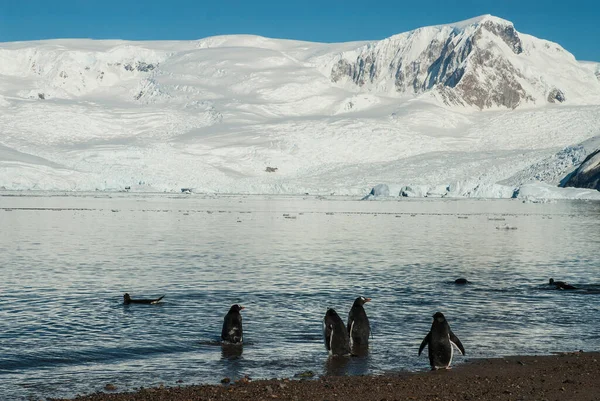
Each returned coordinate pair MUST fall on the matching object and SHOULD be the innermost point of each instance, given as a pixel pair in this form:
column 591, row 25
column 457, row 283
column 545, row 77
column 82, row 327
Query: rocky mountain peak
column 506, row 32
column 481, row 62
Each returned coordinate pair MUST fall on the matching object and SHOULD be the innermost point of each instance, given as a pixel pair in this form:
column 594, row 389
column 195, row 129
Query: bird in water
column 461, row 281
column 127, row 300
column 232, row 331
column 359, row 328
column 440, row 341
column 336, row 335
column 561, row 285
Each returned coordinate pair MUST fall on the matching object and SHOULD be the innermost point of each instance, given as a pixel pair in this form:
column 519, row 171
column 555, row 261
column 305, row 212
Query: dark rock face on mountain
column 507, row 33
column 478, row 63
column 556, row 95
column 140, row 66
column 587, row 174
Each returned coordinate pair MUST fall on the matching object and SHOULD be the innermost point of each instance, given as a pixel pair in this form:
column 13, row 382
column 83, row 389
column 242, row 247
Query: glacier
column 470, row 109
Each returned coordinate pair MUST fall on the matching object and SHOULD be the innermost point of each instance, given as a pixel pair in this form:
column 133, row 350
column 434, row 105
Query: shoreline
column 566, row 376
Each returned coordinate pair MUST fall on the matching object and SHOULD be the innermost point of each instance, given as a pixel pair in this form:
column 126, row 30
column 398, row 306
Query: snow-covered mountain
column 466, row 105
column 483, row 62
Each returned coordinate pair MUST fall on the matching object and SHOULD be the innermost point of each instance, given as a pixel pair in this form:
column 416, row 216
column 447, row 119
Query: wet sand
column 568, row 376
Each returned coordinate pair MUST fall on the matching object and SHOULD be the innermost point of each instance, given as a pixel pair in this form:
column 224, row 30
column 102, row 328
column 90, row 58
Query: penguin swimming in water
column 336, row 335
column 127, row 300
column 561, row 285
column 440, row 340
column 358, row 326
column 232, row 331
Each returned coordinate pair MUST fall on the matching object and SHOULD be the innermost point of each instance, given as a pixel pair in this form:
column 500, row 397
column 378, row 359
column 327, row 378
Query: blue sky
column 573, row 24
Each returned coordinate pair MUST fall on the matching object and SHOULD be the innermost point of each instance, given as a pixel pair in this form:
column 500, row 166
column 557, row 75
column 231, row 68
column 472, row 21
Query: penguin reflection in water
column 232, row 331
column 336, row 335
column 440, row 340
column 358, row 326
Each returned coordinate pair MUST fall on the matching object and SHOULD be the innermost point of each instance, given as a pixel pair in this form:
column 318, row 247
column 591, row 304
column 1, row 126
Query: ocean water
column 65, row 262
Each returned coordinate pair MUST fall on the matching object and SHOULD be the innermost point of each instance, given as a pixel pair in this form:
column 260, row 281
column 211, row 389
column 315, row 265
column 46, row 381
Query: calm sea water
column 66, row 261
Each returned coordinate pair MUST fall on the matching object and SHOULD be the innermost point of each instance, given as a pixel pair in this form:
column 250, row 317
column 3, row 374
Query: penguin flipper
column 424, row 342
column 454, row 340
column 157, row 300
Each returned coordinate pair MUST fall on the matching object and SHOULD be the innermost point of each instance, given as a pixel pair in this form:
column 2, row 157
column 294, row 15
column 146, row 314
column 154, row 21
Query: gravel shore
column 568, row 376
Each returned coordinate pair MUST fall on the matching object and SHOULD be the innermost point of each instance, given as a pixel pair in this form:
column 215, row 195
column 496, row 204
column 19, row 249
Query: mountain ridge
column 471, row 63
column 482, row 62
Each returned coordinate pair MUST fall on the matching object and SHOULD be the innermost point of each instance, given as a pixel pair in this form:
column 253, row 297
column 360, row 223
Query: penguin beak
column 367, row 299
column 242, row 307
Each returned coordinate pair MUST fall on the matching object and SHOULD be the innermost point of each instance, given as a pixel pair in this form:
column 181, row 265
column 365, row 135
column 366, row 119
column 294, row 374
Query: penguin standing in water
column 358, row 326
column 336, row 335
column 440, row 340
column 232, row 331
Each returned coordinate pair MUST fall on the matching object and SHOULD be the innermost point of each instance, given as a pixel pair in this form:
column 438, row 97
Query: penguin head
column 330, row 312
column 331, row 316
column 236, row 308
column 439, row 317
column 551, row 281
column 126, row 297
column 360, row 301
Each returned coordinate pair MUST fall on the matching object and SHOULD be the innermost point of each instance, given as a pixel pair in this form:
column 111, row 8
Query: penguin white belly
column 331, row 343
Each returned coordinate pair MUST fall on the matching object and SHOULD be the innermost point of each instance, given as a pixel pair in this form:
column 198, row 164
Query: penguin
column 461, row 281
column 440, row 340
column 561, row 285
column 127, row 300
column 336, row 335
column 358, row 326
column 232, row 331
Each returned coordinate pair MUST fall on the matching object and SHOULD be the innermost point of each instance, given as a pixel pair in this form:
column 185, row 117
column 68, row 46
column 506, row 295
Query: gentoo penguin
column 336, row 335
column 358, row 326
column 127, row 300
column 561, row 285
column 440, row 340
column 232, row 326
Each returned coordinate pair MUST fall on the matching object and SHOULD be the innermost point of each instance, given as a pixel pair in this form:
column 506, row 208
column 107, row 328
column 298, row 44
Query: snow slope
column 213, row 114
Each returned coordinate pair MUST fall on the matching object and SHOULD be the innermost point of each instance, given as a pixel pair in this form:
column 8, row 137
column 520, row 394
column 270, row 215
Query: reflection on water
column 360, row 350
column 231, row 351
column 348, row 365
column 337, row 365
column 231, row 355
column 67, row 261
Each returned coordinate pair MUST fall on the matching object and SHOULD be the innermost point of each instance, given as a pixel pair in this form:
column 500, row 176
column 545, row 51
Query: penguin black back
column 336, row 335
column 232, row 331
column 359, row 328
column 439, row 341
column 561, row 285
